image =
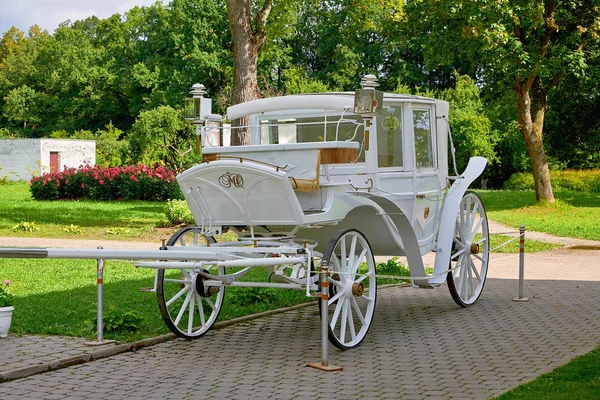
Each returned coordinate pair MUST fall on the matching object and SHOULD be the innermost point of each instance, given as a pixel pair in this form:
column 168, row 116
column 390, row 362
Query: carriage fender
column 402, row 232
column 449, row 214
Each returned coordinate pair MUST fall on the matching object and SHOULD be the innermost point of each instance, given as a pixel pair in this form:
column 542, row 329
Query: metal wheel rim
column 467, row 280
column 350, row 315
column 183, row 309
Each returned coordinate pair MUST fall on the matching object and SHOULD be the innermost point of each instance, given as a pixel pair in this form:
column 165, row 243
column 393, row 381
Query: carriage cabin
column 327, row 147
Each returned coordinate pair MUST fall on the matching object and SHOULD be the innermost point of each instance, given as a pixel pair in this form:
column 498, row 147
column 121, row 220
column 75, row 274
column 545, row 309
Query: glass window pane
column 389, row 137
column 423, row 144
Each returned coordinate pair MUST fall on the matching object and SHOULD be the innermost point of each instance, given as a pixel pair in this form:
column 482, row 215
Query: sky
column 50, row 13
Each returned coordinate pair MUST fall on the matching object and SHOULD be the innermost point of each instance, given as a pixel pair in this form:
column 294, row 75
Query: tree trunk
column 532, row 105
column 247, row 41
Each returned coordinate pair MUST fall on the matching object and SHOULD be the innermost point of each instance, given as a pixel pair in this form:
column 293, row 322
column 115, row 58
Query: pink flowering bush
column 135, row 182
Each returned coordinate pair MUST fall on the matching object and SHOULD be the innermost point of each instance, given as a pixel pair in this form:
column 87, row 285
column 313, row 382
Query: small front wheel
column 470, row 251
column 352, row 288
column 189, row 303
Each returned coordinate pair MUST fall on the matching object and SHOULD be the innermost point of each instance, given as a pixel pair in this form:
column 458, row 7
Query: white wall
column 72, row 153
column 19, row 158
column 23, row 158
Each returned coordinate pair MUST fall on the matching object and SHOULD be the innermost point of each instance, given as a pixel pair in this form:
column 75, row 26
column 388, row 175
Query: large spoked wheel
column 351, row 303
column 470, row 251
column 188, row 306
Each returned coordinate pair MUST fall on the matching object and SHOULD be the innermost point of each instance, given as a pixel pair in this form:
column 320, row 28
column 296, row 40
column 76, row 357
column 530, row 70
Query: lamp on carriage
column 198, row 109
column 368, row 102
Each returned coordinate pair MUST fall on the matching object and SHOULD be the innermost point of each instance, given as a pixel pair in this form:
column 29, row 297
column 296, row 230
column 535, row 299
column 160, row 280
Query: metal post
column 100, row 317
column 100, row 305
column 324, row 313
column 521, row 264
column 323, row 364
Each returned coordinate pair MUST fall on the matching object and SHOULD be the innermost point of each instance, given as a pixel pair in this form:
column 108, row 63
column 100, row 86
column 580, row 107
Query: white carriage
column 328, row 182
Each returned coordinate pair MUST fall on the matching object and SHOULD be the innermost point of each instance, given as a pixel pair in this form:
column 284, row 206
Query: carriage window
column 389, row 137
column 348, row 127
column 423, row 144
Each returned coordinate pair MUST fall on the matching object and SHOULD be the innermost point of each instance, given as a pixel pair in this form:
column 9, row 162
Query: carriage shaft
column 108, row 254
column 245, row 262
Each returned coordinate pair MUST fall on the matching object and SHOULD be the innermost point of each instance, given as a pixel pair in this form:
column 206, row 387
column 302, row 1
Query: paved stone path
column 421, row 345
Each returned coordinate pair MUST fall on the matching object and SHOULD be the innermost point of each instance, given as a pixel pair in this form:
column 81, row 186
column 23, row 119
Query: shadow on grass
column 59, row 297
column 92, row 215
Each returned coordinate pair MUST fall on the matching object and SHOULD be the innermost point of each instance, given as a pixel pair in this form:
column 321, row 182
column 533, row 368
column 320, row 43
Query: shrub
column 178, row 212
column 116, row 321
column 25, row 226
column 136, row 182
column 587, row 181
column 520, row 181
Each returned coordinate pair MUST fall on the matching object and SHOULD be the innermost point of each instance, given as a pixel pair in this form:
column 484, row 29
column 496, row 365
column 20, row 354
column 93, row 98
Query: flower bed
column 135, row 182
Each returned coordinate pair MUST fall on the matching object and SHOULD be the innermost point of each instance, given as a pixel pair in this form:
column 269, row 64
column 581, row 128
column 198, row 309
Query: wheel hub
column 474, row 248
column 358, row 289
column 199, row 286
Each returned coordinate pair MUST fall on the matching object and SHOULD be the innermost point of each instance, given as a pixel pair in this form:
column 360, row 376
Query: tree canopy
column 506, row 66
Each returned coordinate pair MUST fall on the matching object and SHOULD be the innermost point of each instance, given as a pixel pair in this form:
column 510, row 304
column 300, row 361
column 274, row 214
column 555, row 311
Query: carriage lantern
column 368, row 101
column 198, row 110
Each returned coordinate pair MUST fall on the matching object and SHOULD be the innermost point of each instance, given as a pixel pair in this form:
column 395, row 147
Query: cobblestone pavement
column 421, row 345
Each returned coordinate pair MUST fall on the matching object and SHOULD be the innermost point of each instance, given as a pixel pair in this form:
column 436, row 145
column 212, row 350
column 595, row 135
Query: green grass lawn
column 578, row 380
column 575, row 214
column 118, row 220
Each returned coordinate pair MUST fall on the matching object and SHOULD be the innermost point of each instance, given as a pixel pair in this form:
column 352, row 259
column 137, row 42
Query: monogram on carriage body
column 228, row 179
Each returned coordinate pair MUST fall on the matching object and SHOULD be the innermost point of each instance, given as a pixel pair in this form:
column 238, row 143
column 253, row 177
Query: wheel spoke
column 474, row 269
column 473, row 214
column 336, row 314
column 182, row 309
column 344, row 321
column 190, row 326
column 482, row 259
column 336, row 262
column 357, row 262
column 343, row 254
column 475, row 230
column 200, row 310
column 336, row 283
column 351, row 322
column 352, row 255
column 178, row 281
column 210, row 303
column 336, row 297
column 467, row 214
column 178, row 295
column 458, row 253
column 358, row 312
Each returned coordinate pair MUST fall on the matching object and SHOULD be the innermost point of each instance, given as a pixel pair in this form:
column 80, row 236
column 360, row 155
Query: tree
column 247, row 22
column 339, row 41
column 471, row 129
column 162, row 134
column 528, row 45
column 21, row 106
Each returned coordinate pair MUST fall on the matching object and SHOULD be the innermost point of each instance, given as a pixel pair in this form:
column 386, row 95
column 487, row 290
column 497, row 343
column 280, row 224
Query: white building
column 25, row 158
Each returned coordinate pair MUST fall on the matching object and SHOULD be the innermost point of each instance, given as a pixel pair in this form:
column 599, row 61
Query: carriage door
column 426, row 175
